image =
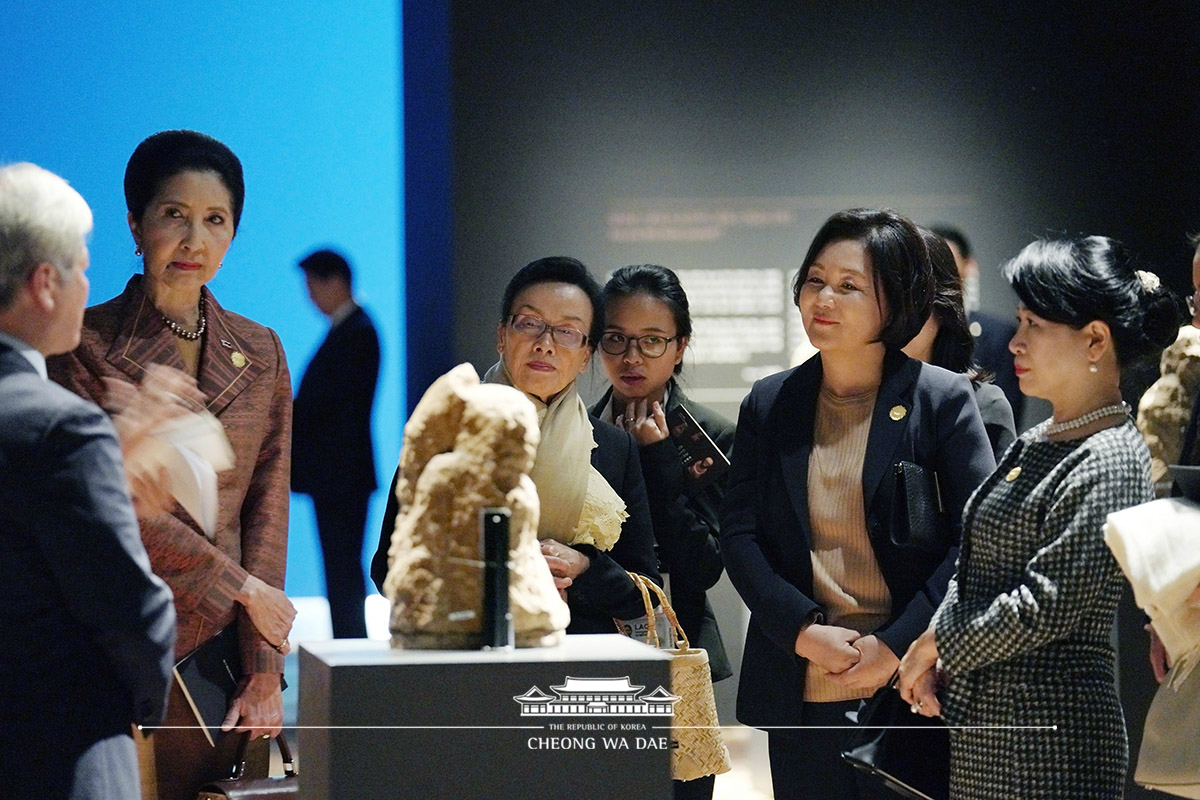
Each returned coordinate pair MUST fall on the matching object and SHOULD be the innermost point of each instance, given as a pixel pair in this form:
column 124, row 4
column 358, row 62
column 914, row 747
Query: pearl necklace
column 182, row 332
column 1053, row 428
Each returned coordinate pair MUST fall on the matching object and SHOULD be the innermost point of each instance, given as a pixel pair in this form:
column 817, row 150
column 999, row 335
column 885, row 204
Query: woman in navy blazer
column 864, row 289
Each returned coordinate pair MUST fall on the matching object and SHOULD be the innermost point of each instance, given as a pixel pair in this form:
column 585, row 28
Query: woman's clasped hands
column 921, row 676
column 851, row 659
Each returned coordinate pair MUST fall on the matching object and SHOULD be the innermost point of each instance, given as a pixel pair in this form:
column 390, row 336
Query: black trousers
column 340, row 523
column 806, row 763
column 698, row 789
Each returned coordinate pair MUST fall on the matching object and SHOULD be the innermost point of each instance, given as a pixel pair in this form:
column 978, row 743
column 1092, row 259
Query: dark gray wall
column 1012, row 120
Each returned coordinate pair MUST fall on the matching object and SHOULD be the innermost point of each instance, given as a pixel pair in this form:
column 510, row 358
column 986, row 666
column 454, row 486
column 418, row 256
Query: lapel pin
column 898, row 413
column 238, row 359
column 228, row 345
column 1013, row 474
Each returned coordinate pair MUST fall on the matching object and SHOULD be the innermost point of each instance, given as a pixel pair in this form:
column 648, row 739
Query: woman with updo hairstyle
column 945, row 341
column 836, row 589
column 184, row 191
column 1021, row 642
column 647, row 328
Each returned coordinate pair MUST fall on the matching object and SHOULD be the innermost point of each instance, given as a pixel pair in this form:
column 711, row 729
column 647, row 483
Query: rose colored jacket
column 244, row 378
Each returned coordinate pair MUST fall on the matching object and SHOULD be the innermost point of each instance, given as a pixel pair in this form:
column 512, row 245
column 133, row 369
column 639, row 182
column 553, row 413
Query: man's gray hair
column 42, row 220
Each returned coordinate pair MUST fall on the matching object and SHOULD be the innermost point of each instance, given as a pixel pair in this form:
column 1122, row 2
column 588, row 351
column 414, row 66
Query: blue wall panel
column 307, row 94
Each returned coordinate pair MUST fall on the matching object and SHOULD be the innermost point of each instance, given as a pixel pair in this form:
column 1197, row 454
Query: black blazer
column 604, row 591
column 331, row 415
column 992, row 335
column 88, row 631
column 997, row 417
column 686, row 527
column 922, row 414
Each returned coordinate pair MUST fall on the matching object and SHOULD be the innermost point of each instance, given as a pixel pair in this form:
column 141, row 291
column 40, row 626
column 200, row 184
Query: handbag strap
column 681, row 641
column 651, row 632
column 285, row 753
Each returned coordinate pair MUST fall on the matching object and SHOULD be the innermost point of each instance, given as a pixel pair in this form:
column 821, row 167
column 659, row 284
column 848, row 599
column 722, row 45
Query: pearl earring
column 1093, row 368
column 137, row 251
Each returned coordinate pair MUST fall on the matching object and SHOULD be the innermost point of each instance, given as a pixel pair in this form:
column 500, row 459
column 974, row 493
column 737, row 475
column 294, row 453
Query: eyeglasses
column 651, row 345
column 533, row 327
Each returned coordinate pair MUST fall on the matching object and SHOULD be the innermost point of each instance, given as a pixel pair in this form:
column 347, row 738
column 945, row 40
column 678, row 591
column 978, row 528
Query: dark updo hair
column 1081, row 280
column 954, row 346
column 558, row 269
column 899, row 263
column 658, row 282
column 166, row 154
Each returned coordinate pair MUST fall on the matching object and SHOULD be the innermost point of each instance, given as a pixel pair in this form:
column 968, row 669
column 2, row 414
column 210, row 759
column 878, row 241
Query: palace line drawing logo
column 597, row 697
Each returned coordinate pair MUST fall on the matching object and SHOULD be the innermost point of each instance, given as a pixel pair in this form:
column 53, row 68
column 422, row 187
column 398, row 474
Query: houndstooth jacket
column 1024, row 629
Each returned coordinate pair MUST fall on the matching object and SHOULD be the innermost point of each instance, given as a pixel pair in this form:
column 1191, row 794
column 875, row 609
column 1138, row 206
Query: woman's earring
column 137, row 251
column 1093, row 368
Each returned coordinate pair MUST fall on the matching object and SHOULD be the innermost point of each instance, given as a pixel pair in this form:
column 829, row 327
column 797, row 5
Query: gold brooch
column 238, row 359
column 897, row 413
column 1013, row 474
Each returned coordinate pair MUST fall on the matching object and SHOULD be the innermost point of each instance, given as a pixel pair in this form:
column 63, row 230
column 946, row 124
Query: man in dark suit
column 332, row 457
column 992, row 334
column 88, row 630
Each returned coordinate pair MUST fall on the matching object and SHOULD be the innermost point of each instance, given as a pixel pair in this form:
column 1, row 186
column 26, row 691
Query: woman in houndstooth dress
column 1023, row 633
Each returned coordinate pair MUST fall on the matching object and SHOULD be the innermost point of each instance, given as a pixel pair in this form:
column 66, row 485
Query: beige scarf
column 577, row 504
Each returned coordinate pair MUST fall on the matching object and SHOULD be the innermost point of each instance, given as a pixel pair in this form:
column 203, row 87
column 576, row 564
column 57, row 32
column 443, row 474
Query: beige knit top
column 846, row 577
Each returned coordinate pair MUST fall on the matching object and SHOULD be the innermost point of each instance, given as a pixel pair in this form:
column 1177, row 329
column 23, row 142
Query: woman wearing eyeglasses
column 647, row 326
column 594, row 522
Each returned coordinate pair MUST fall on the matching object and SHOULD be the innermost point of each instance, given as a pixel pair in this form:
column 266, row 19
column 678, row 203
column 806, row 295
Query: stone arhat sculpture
column 467, row 446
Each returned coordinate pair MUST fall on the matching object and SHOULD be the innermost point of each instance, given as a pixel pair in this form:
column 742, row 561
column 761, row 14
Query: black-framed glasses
column 651, row 345
column 533, row 327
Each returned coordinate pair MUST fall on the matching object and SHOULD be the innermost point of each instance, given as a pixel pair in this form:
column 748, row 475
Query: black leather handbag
column 906, row 752
column 918, row 515
column 241, row 788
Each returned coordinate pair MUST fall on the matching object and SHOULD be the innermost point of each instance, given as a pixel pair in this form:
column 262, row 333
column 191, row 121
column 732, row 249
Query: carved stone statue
column 467, row 446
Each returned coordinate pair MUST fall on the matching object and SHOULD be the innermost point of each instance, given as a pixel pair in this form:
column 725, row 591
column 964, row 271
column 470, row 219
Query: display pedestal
column 588, row 719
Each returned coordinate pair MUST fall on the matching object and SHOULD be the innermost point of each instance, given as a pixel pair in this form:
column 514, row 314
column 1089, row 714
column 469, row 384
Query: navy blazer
column 331, row 415
column 88, row 632
column 992, row 335
column 604, row 591
column 997, row 417
column 922, row 414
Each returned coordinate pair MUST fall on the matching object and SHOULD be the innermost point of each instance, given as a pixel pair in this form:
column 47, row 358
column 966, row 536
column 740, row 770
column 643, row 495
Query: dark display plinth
column 587, row 719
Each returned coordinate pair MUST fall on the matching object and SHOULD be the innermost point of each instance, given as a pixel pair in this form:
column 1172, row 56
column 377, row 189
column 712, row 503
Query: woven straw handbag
column 697, row 748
